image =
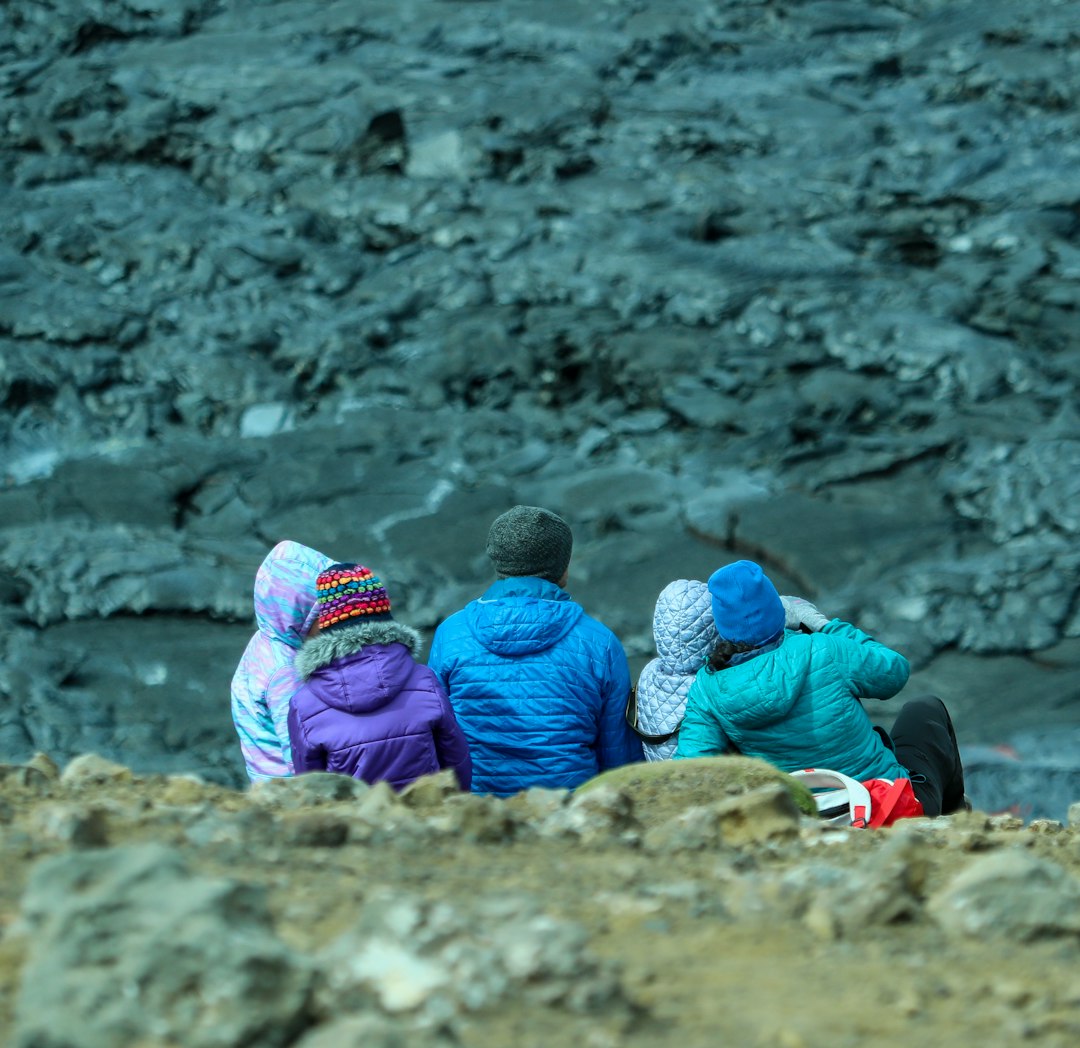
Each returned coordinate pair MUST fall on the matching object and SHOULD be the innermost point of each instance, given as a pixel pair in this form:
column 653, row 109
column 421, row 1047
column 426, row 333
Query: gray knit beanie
column 528, row 540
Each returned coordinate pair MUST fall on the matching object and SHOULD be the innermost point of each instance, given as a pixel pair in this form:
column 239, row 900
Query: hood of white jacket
column 683, row 627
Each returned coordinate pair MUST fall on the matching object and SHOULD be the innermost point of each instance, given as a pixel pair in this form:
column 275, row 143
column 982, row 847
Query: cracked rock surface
column 792, row 280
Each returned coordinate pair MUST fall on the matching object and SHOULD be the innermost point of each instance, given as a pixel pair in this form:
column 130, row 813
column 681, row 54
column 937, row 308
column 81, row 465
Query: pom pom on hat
column 745, row 605
column 528, row 540
column 349, row 594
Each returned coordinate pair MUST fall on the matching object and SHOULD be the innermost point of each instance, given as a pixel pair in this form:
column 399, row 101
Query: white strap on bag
column 840, row 798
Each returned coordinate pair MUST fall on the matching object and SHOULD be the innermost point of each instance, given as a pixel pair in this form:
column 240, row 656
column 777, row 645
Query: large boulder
column 662, row 790
column 127, row 946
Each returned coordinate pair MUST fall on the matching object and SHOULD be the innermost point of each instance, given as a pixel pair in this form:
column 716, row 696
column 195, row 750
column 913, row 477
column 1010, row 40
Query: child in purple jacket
column 367, row 708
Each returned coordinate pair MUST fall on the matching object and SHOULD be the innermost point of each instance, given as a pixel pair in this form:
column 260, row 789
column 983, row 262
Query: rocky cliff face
column 792, row 280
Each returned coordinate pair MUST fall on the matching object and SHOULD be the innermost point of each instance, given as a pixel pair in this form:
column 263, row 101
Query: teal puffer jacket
column 797, row 706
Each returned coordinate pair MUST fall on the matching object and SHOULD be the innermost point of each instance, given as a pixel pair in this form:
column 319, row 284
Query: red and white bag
column 847, row 802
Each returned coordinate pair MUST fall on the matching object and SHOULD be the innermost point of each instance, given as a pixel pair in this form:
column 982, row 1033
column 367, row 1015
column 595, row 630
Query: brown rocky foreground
column 690, row 904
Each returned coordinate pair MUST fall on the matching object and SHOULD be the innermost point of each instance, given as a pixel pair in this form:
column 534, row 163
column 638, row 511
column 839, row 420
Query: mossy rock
column 663, row 789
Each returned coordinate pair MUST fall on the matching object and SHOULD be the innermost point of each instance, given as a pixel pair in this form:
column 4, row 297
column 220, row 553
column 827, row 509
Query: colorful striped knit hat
column 348, row 594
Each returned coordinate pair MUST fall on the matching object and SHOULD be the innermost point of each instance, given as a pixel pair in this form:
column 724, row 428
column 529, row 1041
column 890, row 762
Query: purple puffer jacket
column 368, row 709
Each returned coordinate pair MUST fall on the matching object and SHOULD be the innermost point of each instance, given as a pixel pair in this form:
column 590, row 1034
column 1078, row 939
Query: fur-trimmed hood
column 340, row 641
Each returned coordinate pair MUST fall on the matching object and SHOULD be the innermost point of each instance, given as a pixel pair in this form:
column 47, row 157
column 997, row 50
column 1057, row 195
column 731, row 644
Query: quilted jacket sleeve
column 873, row 670
column 437, row 661
column 305, row 757
column 618, row 745
column 701, row 734
column 452, row 747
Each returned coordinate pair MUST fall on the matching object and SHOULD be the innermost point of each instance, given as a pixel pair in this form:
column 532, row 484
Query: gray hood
column 683, row 626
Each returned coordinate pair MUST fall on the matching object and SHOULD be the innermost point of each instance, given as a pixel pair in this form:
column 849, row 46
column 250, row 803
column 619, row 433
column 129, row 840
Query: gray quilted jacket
column 684, row 633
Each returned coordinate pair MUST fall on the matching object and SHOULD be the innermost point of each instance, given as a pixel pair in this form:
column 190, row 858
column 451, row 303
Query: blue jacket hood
column 521, row 616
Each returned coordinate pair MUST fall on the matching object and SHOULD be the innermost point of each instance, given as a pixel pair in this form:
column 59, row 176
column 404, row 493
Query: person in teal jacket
column 784, row 684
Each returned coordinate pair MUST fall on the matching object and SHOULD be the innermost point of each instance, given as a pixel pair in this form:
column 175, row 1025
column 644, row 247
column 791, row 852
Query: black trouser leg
column 925, row 744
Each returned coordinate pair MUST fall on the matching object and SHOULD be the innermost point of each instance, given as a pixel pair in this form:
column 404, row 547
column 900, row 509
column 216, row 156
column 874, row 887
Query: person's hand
column 800, row 612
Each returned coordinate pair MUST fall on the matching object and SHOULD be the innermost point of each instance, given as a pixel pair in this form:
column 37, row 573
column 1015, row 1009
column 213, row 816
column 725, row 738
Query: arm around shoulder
column 617, row 745
column 451, row 746
column 436, row 660
column 875, row 671
column 700, row 734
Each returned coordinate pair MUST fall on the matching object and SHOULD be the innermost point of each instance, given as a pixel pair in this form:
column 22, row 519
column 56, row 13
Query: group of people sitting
column 522, row 688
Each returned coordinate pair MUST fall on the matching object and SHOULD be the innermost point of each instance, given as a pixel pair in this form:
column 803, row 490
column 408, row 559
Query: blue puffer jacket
column 538, row 687
column 797, row 705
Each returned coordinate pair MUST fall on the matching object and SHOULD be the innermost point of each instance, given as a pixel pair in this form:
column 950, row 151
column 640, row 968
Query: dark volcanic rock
column 794, row 281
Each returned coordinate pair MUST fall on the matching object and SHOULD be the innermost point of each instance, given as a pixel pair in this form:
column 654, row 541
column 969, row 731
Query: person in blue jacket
column 538, row 687
column 784, row 684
